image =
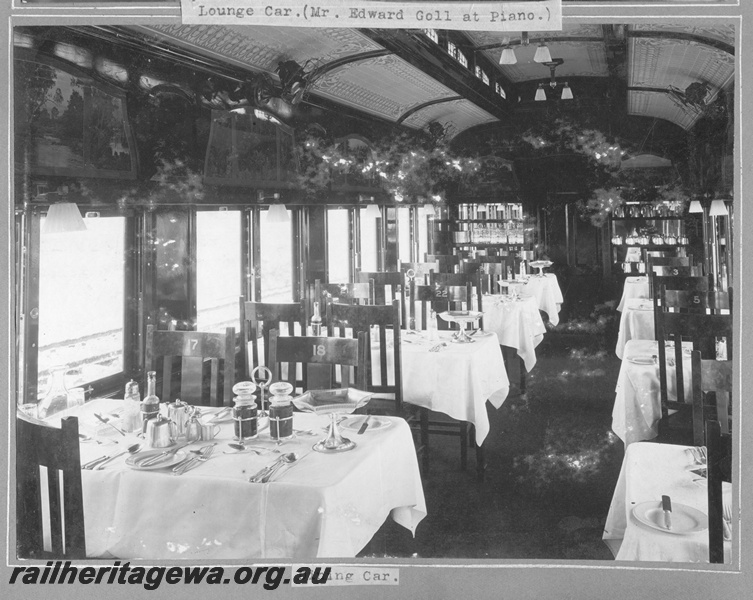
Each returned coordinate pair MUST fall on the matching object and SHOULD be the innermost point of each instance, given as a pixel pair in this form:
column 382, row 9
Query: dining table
column 637, row 406
column 517, row 323
column 323, row 505
column 456, row 379
column 634, row 287
column 545, row 288
column 635, row 529
column 636, row 323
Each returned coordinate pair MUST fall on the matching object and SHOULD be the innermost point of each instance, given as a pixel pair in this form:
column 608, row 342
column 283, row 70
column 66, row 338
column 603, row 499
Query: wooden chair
column 667, row 261
column 438, row 298
column 421, row 270
column 387, row 287
column 385, row 322
column 193, row 348
column 712, row 390
column 318, row 358
column 448, row 263
column 470, row 267
column 718, row 470
column 471, row 282
column 715, row 303
column 57, row 450
column 345, row 293
column 702, row 331
column 674, row 282
column 258, row 319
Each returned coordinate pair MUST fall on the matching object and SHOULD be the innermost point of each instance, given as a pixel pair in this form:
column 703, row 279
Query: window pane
column 276, row 259
column 218, row 270
column 81, row 301
column 338, row 245
column 424, row 214
column 369, row 240
column 403, row 227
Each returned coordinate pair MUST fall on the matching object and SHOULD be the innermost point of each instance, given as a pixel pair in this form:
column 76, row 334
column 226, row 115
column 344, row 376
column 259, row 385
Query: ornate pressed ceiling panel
column 664, row 62
column 455, row 116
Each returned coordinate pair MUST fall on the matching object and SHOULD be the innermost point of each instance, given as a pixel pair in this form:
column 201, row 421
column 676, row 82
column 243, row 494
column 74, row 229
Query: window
column 218, row 270
column 453, row 51
column 404, row 238
column 432, row 35
column 481, row 74
column 276, row 259
column 500, row 90
column 338, row 245
column 370, row 227
column 425, row 215
column 81, row 301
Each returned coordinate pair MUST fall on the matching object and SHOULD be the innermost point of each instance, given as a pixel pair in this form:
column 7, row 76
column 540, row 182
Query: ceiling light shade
column 372, row 210
column 540, row 93
column 542, row 54
column 718, row 209
column 508, row 57
column 695, row 207
column 567, row 92
column 63, row 217
column 277, row 214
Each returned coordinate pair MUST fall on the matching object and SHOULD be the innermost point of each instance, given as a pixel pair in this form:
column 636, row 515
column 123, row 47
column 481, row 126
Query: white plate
column 135, row 460
column 685, row 519
column 354, row 423
column 642, row 360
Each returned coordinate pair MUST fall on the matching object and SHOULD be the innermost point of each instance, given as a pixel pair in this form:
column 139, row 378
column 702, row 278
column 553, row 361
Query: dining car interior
column 404, row 294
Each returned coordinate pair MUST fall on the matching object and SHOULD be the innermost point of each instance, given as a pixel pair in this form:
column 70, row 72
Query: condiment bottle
column 150, row 403
column 316, row 321
column 281, row 411
column 132, row 407
column 245, row 415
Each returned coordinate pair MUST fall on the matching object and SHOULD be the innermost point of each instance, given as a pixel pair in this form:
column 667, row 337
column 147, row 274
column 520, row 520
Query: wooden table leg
column 480, row 462
column 463, row 445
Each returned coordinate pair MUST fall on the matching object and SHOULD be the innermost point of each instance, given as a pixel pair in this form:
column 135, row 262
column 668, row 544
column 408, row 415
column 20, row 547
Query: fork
column 204, row 454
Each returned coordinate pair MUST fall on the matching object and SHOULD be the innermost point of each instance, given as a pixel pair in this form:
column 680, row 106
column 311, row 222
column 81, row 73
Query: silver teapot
column 193, row 427
column 179, row 412
column 160, row 432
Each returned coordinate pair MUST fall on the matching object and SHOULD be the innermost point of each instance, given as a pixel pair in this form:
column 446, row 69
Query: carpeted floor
column 552, row 460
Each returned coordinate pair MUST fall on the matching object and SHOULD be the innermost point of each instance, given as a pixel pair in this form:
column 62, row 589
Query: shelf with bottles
column 490, row 211
column 651, row 211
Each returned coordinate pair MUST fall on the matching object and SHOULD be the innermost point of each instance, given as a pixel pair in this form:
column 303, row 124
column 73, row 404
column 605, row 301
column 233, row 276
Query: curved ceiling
column 412, row 77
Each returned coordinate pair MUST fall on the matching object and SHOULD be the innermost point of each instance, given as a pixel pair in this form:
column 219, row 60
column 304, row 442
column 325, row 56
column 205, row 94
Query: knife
column 666, row 505
column 364, row 425
column 106, row 422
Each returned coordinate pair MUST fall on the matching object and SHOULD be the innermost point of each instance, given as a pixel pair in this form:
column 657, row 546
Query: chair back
column 492, row 272
column 471, row 281
column 258, row 319
column 470, row 267
column 674, row 282
column 447, row 263
column 698, row 302
column 57, row 450
column 345, row 293
column 712, row 390
column 193, row 348
column 381, row 328
column 421, row 270
column 387, row 287
column 704, row 332
column 318, row 358
column 439, row 298
column 718, row 470
column 667, row 261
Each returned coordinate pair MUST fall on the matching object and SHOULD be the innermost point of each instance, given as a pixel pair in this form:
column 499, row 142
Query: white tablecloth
column 637, row 404
column 649, row 471
column 636, row 323
column 547, row 292
column 328, row 506
column 457, row 380
column 517, row 323
column 635, row 287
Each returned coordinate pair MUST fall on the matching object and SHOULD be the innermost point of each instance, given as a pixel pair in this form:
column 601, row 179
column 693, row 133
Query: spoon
column 130, row 450
column 88, row 438
column 239, row 448
column 285, row 459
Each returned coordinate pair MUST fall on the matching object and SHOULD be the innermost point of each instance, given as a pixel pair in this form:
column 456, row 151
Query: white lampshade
column 508, row 57
column 63, row 217
column 540, row 93
column 695, row 207
column 542, row 54
column 277, row 214
column 567, row 92
column 718, row 209
column 372, row 210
